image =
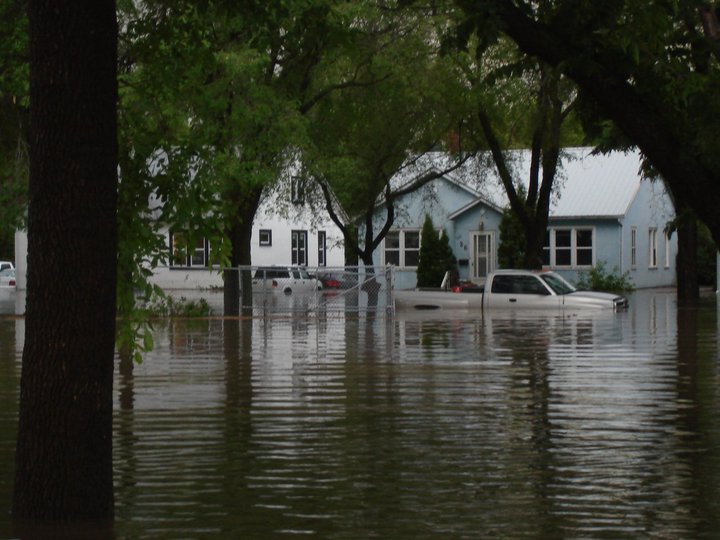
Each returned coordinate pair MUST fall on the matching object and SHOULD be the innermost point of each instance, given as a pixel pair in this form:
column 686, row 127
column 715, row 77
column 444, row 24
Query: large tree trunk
column 688, row 289
column 236, row 281
column 534, row 239
column 64, row 445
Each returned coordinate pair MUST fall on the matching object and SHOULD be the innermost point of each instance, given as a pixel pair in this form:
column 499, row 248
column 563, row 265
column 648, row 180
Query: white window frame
column 633, row 247
column 196, row 257
column 267, row 241
column 573, row 247
column 402, row 248
column 652, row 248
column 667, row 249
column 322, row 248
column 299, row 253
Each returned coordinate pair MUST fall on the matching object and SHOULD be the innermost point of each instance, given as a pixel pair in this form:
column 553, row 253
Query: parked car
column 329, row 281
column 286, row 279
column 543, row 290
column 4, row 265
column 7, row 277
column 338, row 280
column 514, row 289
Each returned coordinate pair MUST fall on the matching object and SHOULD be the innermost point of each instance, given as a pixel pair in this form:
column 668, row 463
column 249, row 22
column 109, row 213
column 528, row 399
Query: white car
column 543, row 290
column 286, row 279
column 514, row 289
column 4, row 265
column 7, row 278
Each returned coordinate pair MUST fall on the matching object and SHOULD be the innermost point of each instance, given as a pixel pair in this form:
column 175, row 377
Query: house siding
column 603, row 193
column 483, row 218
column 606, row 236
column 651, row 209
column 438, row 199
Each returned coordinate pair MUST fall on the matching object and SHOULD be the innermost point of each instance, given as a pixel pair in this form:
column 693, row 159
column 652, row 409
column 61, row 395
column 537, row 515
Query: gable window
column 265, row 237
column 322, row 248
column 569, row 247
column 297, row 190
column 184, row 254
column 298, row 241
column 402, row 248
column 652, row 243
column 633, row 247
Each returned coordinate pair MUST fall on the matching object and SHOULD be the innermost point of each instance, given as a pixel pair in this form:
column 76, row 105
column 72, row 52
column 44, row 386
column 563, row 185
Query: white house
column 287, row 230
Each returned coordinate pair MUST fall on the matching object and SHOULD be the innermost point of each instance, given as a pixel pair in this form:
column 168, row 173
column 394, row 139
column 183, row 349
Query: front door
column 483, row 259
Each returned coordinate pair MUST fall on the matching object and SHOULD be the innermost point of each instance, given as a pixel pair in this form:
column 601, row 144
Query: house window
column 546, row 249
column 297, row 190
column 563, row 248
column 633, row 247
column 569, row 247
column 402, row 248
column 265, row 237
column 667, row 250
column 652, row 243
column 299, row 247
column 322, row 249
column 184, row 254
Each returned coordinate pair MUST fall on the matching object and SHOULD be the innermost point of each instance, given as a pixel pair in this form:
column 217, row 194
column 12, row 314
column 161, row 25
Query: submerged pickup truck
column 513, row 289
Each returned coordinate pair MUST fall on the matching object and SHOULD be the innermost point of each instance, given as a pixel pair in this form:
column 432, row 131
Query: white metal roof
column 586, row 185
column 597, row 184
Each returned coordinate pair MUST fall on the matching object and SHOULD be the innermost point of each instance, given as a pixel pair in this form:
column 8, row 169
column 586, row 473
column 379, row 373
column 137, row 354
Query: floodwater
column 432, row 425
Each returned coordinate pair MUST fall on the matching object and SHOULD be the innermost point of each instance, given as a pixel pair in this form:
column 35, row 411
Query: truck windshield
column 557, row 284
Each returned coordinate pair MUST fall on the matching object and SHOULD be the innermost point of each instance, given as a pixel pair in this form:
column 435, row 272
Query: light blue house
column 602, row 211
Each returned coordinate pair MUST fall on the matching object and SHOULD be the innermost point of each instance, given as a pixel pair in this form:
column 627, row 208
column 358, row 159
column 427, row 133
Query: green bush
column 169, row 307
column 599, row 279
column 436, row 257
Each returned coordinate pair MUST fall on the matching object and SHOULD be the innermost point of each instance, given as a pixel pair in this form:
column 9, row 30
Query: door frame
column 490, row 252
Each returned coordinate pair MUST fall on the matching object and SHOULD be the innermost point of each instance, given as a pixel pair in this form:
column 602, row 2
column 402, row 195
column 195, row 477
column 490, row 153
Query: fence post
column 390, row 286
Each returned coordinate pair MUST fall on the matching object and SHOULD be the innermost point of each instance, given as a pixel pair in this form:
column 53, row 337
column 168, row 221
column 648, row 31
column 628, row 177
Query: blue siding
column 606, row 244
column 480, row 218
column 650, row 208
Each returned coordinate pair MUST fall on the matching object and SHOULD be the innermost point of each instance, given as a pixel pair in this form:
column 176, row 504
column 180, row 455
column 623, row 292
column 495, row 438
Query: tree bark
column 688, row 289
column 64, row 445
column 244, row 207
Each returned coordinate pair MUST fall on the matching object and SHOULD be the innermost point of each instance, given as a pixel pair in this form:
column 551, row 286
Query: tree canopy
column 360, row 138
column 652, row 67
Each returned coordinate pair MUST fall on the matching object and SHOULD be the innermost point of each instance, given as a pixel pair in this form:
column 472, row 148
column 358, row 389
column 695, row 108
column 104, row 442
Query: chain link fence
column 282, row 290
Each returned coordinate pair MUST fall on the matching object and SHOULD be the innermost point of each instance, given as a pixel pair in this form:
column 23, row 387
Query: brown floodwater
column 430, row 425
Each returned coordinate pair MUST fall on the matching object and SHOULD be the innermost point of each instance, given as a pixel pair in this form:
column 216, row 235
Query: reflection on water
column 428, row 425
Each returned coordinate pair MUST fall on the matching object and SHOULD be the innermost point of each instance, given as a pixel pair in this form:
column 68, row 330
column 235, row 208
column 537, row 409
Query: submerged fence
column 278, row 290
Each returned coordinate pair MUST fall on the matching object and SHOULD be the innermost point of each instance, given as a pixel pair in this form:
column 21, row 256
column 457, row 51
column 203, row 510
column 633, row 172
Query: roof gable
column 586, row 185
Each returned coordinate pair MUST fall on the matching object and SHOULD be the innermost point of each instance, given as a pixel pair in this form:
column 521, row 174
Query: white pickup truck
column 513, row 289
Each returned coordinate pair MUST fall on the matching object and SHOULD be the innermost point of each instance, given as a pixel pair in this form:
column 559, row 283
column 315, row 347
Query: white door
column 483, row 259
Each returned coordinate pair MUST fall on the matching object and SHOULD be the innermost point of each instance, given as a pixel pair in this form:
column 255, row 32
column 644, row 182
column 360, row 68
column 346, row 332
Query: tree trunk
column 688, row 290
column 533, row 248
column 240, row 235
column 351, row 255
column 64, row 444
